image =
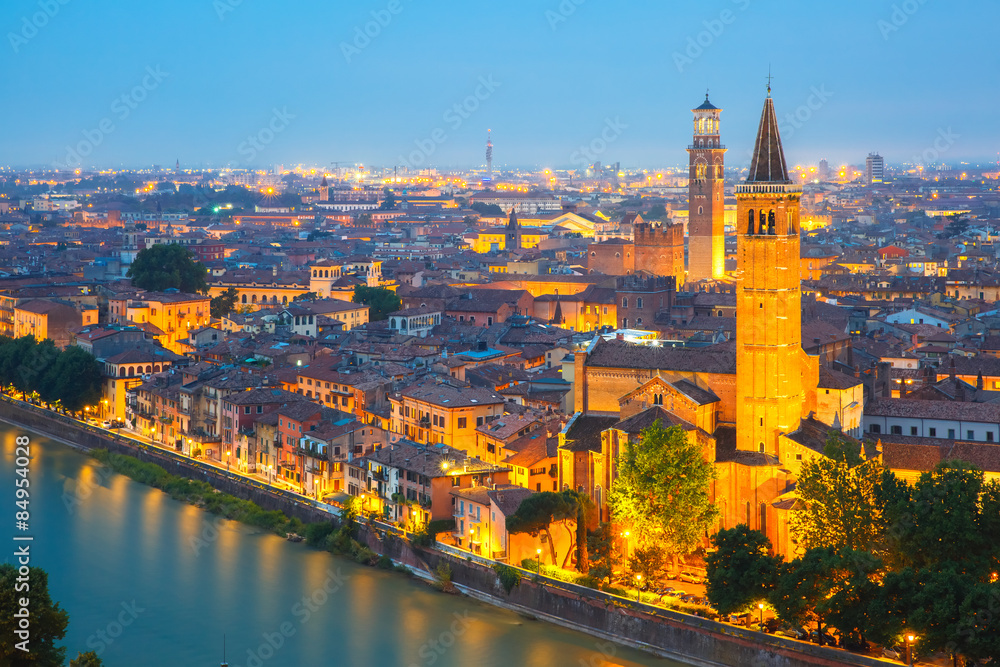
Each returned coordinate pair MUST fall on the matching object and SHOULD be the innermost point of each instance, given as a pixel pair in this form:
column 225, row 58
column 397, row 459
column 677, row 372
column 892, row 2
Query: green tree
column 166, row 266
column 741, row 571
column 75, row 379
column 852, row 605
column 389, row 202
column 662, row 490
column 364, row 220
column 537, row 513
column 578, row 505
column 801, row 587
column 840, row 495
column 306, row 296
column 380, row 300
column 222, row 305
column 648, row 562
column 657, row 212
column 88, row 659
column 603, row 551
column 486, row 209
column 48, row 620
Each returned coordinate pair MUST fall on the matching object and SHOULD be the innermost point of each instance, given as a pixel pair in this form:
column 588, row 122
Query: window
column 624, row 302
column 932, row 432
column 246, row 410
column 951, row 433
column 479, row 421
column 989, row 436
column 970, row 434
column 461, row 422
column 896, row 430
column 798, row 457
column 638, row 302
column 913, row 430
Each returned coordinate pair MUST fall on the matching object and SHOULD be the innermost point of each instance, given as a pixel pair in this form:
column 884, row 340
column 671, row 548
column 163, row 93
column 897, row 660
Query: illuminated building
column 706, row 222
column 874, row 167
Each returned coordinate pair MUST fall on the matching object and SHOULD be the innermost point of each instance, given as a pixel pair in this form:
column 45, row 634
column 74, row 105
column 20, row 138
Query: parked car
column 893, row 653
column 690, row 598
column 669, row 592
column 691, row 578
column 824, row 638
column 794, row 633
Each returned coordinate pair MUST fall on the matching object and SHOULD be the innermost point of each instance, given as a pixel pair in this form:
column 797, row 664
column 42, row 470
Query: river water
column 152, row 582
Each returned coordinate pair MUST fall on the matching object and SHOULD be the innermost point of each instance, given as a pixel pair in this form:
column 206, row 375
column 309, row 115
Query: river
column 153, row 582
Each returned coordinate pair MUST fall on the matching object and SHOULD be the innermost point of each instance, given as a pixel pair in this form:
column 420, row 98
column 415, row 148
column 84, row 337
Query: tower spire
column 769, row 80
column 768, row 163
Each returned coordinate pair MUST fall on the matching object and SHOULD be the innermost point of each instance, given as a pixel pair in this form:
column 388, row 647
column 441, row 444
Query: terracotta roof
column 946, row 410
column 585, row 433
column 619, row 354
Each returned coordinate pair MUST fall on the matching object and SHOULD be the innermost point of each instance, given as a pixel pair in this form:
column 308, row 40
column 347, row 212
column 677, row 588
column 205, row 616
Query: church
column 759, row 407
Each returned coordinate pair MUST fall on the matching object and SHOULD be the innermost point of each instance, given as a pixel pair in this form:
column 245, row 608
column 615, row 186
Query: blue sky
column 133, row 84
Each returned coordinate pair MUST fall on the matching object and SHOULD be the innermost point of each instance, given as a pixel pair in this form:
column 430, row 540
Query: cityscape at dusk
column 525, row 334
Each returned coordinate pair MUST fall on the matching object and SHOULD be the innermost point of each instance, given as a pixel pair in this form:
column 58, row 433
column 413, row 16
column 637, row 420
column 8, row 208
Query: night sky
column 389, row 82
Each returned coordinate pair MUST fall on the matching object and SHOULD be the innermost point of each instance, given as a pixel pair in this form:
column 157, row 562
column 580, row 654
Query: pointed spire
column 768, row 165
column 512, row 222
column 323, row 184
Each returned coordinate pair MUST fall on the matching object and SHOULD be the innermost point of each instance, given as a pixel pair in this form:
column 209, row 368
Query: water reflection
column 196, row 577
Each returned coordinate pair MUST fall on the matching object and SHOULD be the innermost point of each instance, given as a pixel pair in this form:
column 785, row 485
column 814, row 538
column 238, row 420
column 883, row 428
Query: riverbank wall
column 609, row 618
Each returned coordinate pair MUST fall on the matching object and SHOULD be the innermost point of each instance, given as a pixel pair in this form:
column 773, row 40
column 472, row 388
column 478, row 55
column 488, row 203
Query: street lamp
column 538, row 558
column 227, row 459
column 638, row 586
column 909, row 649
column 760, row 605
column 624, row 548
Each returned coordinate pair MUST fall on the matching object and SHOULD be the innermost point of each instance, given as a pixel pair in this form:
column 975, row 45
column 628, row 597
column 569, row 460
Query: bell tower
column 769, row 357
column 706, row 225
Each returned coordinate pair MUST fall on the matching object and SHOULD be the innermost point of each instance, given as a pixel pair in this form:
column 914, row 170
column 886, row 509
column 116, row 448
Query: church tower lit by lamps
column 770, row 362
column 706, row 225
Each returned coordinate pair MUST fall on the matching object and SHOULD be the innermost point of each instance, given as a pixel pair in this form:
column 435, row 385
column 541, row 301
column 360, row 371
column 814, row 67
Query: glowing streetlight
column 538, row 558
column 909, row 648
column 760, row 605
column 638, row 586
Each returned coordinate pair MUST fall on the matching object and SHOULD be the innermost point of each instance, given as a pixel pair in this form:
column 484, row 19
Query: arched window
column 763, row 518
column 624, row 302
column 701, row 210
column 762, row 217
column 770, row 222
column 253, row 299
column 149, row 369
column 244, row 298
column 638, row 302
column 749, row 521
column 761, row 447
column 121, row 371
column 156, row 368
column 750, row 221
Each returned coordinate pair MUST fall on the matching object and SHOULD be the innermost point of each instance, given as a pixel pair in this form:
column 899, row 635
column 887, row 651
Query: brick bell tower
column 706, row 226
column 769, row 356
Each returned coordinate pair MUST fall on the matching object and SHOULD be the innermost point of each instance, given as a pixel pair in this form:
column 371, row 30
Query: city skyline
column 203, row 85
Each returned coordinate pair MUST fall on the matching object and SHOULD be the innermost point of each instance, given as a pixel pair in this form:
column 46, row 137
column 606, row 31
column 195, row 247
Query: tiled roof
column 585, row 433
column 619, row 354
column 947, row 410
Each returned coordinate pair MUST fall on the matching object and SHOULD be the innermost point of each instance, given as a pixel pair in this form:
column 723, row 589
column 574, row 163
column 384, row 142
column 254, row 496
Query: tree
column 88, row 659
column 306, row 296
column 741, row 571
column 662, row 490
column 802, row 585
column 657, row 212
column 166, row 266
column 389, row 202
column 536, row 514
column 649, row 562
column 839, row 491
column 363, row 220
column 852, row 607
column 48, row 620
column 602, row 548
column 74, row 379
column 222, row 305
column 486, row 209
column 380, row 300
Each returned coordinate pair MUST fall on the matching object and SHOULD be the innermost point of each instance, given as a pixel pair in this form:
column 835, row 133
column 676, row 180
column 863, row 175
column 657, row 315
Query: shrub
column 384, row 563
column 509, row 577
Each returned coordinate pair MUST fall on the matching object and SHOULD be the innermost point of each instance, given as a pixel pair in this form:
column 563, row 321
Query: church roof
column 643, row 420
column 768, row 165
column 707, row 106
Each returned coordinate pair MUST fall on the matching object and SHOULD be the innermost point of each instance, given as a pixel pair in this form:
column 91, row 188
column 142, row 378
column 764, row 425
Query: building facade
column 706, row 223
